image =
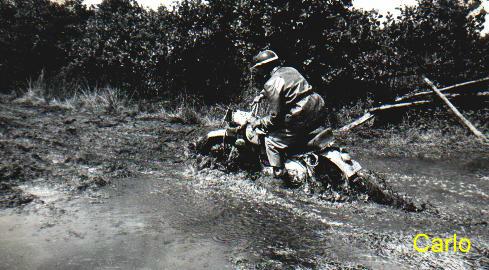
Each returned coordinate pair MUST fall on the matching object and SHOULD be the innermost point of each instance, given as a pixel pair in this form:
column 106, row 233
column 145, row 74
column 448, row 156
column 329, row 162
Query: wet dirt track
column 155, row 212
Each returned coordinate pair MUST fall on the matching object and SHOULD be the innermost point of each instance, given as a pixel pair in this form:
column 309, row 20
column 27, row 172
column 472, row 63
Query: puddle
column 44, row 193
column 174, row 219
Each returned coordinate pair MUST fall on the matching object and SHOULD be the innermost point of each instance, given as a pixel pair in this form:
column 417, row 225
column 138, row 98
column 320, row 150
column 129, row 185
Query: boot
column 279, row 172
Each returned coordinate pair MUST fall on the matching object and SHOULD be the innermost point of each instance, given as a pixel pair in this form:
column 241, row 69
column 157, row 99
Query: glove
column 255, row 124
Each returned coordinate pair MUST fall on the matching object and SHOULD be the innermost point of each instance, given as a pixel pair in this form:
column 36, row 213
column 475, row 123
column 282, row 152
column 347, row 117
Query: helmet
column 264, row 57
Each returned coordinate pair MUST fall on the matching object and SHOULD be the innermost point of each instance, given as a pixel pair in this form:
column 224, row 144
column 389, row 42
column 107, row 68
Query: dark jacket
column 294, row 106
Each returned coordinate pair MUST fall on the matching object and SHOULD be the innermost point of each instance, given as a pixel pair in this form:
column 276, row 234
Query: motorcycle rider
column 295, row 109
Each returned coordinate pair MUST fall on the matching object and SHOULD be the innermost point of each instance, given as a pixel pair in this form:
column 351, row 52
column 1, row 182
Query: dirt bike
column 315, row 160
column 317, row 164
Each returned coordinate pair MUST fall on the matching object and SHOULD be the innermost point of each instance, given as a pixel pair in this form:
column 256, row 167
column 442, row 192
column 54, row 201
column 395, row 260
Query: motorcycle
column 314, row 161
column 319, row 166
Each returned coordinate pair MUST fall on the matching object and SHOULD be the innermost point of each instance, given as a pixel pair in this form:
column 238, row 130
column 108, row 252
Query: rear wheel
column 329, row 180
column 378, row 191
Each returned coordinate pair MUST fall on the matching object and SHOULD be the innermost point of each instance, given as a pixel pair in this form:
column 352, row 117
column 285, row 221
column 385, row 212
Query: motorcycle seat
column 319, row 139
column 322, row 140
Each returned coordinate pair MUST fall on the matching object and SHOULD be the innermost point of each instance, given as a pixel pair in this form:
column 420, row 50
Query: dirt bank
column 79, row 151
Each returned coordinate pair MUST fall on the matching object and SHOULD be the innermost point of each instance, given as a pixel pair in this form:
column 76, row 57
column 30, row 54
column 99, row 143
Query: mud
column 116, row 191
column 78, row 152
column 329, row 184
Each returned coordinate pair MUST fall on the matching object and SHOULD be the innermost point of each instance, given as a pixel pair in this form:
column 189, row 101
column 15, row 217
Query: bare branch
column 455, row 111
column 427, row 93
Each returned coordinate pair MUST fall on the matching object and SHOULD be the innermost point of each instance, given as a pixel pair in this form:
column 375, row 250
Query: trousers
column 276, row 144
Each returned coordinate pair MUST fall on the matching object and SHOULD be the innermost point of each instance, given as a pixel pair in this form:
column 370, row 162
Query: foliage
column 440, row 39
column 120, row 46
column 36, row 35
column 203, row 48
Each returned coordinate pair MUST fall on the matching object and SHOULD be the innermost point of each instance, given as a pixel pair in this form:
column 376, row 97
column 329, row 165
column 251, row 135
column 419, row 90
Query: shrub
column 120, row 47
column 203, row 48
column 35, row 36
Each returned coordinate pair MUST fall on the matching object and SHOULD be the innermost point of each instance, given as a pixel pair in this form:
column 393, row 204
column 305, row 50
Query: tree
column 35, row 35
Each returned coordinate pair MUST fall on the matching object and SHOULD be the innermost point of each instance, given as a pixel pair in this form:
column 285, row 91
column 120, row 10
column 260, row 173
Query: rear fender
column 345, row 164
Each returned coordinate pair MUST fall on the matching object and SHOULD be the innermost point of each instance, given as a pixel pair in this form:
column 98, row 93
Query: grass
column 427, row 132
column 108, row 100
column 191, row 114
column 432, row 133
column 349, row 113
column 76, row 98
column 99, row 100
column 113, row 101
column 35, row 94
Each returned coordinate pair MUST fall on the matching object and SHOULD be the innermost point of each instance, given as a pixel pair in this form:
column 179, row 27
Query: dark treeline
column 203, row 48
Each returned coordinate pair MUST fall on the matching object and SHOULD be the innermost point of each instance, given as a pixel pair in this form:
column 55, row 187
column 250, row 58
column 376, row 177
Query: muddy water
column 458, row 186
column 130, row 227
column 180, row 219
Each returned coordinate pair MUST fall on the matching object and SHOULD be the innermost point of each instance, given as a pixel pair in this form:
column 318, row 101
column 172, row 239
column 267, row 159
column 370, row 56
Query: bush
column 35, row 35
column 440, row 39
column 203, row 48
column 118, row 47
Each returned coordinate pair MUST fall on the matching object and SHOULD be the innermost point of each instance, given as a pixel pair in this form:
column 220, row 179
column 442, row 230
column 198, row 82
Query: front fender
column 220, row 133
column 215, row 137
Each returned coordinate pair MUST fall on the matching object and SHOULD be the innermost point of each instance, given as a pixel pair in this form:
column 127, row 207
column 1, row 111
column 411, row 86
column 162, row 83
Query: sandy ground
column 87, row 191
